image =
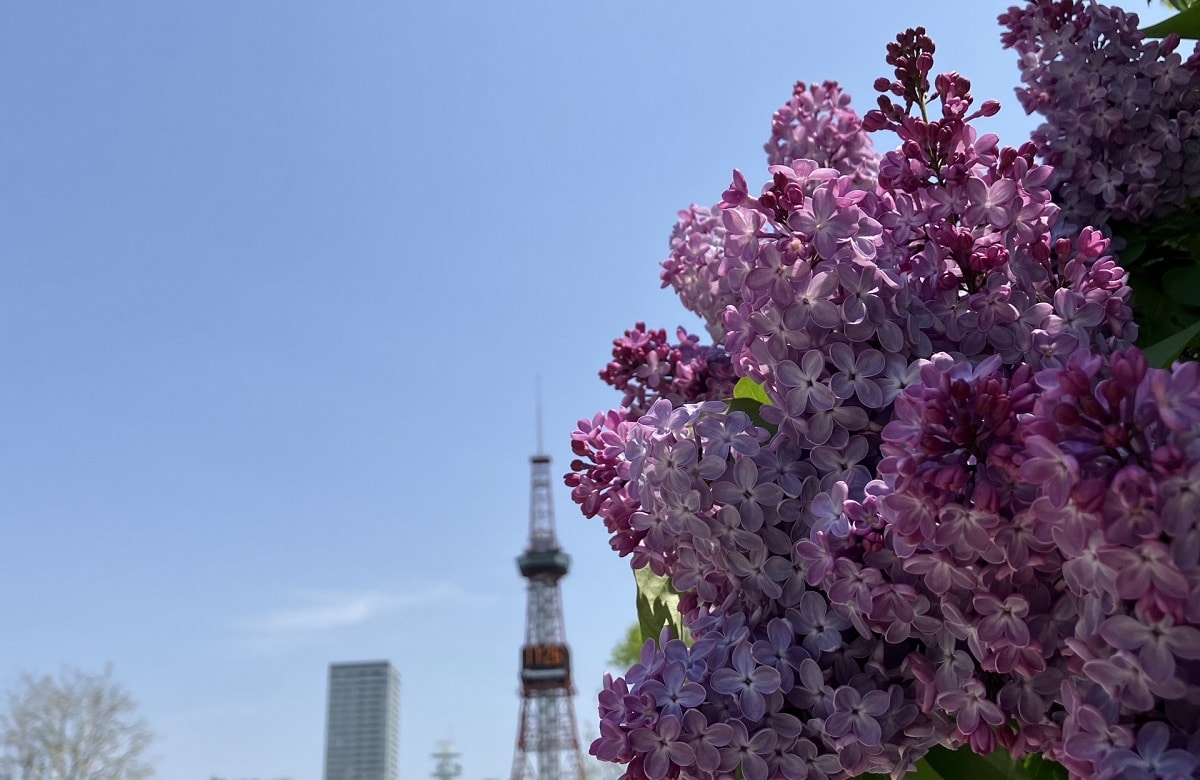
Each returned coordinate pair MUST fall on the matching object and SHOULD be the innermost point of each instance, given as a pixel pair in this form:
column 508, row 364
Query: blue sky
column 276, row 280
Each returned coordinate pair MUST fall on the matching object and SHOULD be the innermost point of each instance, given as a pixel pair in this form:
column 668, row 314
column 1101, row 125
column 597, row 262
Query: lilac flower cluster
column 818, row 124
column 1056, row 515
column 1122, row 113
column 1115, row 446
column 970, row 513
column 645, row 367
column 697, row 245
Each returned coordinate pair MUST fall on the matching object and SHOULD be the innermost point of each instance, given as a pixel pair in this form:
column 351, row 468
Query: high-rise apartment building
column 362, row 724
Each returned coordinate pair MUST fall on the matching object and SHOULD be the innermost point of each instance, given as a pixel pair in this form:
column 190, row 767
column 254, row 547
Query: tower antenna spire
column 538, row 401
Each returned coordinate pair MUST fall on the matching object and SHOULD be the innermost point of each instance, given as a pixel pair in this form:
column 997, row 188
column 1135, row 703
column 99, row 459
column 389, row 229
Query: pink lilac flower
column 747, row 752
column 662, row 748
column 748, row 680
column 965, row 516
column 856, row 716
column 1153, row 757
column 1117, row 109
column 818, row 124
column 674, row 692
column 818, row 629
column 705, row 739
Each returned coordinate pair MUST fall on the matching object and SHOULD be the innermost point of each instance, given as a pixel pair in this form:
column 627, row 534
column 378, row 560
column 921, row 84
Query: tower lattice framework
column 547, row 738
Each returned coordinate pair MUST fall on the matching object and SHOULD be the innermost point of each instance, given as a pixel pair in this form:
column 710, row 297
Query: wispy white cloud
column 324, row 610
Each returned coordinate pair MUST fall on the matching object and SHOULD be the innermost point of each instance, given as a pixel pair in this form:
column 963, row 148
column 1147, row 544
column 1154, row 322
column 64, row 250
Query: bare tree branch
column 78, row 726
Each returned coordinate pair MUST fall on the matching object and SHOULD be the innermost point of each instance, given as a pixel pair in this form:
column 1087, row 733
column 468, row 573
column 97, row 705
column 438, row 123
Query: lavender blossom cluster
column 818, row 125
column 1122, row 113
column 970, row 513
column 646, row 367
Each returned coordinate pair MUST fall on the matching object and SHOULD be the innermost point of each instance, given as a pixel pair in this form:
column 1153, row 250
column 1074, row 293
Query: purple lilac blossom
column 968, row 514
column 1119, row 110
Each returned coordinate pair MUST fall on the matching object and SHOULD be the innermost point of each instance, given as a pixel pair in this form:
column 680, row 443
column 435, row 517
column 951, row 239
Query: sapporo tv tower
column 547, row 739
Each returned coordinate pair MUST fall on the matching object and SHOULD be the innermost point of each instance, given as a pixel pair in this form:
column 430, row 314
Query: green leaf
column 1185, row 24
column 747, row 405
column 748, row 388
column 752, row 409
column 750, row 397
column 924, row 772
column 628, row 650
column 1162, row 354
column 945, row 764
column 962, row 763
column 1178, row 5
column 1039, row 768
column 1183, row 284
column 1164, row 272
column 999, row 765
column 657, row 605
column 1135, row 245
